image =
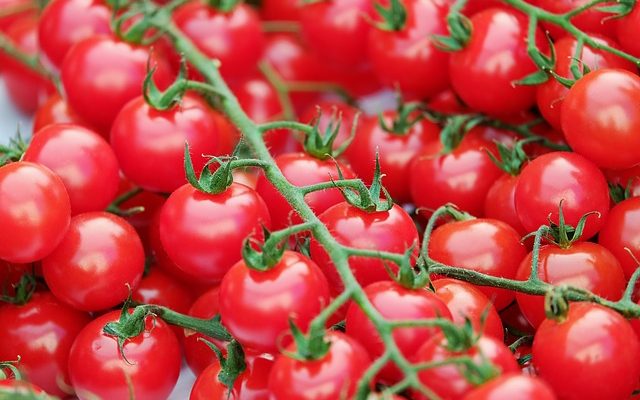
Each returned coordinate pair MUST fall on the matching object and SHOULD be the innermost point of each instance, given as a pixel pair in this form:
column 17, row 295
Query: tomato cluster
column 250, row 187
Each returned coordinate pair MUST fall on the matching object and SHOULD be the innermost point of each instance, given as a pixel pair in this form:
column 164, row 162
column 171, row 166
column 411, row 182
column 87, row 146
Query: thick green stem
column 208, row 327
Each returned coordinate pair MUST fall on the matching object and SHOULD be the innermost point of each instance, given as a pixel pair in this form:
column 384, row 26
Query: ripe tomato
column 197, row 354
column 482, row 74
column 627, row 178
column 600, row 119
column 82, row 159
column 500, row 202
column 279, row 10
column 331, row 377
column 34, row 210
column 395, row 302
column 628, row 30
column 561, row 176
column 594, row 340
column 54, row 110
column 592, row 20
column 392, row 231
column 157, row 287
column 140, row 132
column 621, row 231
column 484, row 245
column 583, row 265
column 98, row 369
column 512, row 386
column 104, row 256
column 203, row 233
column 467, row 302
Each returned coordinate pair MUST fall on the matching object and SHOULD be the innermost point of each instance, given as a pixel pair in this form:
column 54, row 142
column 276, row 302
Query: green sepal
column 455, row 127
column 511, row 158
column 556, row 305
column 172, row 95
column 129, row 325
column 267, row 255
column 24, row 289
column 537, row 78
column 232, row 366
column 460, row 28
column 320, row 144
column 224, row 5
column 562, row 234
column 14, row 150
column 209, row 182
column 408, row 276
column 619, row 9
column 313, row 346
column 394, row 18
column 620, row 193
column 566, row 82
column 368, row 199
column 407, row 115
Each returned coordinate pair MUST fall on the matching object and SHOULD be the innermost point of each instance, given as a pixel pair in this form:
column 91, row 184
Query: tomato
column 627, row 31
column 97, row 368
column 500, row 202
column 482, row 73
column 550, row 95
column 600, row 119
column 99, row 260
column 10, row 275
column 301, row 169
column 512, row 386
column 395, row 302
column 448, row 381
column 467, row 302
column 294, row 288
column 82, row 159
column 239, row 41
column 54, row 110
column 333, row 376
column 279, row 10
column 34, row 210
column 484, row 245
column 583, row 265
column 102, row 68
column 140, row 132
column 594, row 340
column 64, row 23
column 391, row 231
column 592, row 20
column 407, row 59
column 197, row 354
column 203, row 233
column 157, row 287
column 562, row 177
column 395, row 152
column 621, row 231
column 45, row 320
column 474, row 6
column 515, row 321
column 627, row 178
column 142, row 220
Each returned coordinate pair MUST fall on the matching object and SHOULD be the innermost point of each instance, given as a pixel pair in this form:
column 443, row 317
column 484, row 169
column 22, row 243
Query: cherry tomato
column 142, row 220
column 334, row 375
column 54, row 110
column 474, row 6
column 203, row 233
column 197, row 354
column 512, row 386
column 99, row 260
column 391, row 231
column 280, row 10
column 515, row 321
column 34, row 210
column 594, row 340
column 157, row 287
column 583, row 265
column 97, row 368
column 600, row 119
column 500, row 202
column 592, row 20
column 628, row 30
column 627, row 178
column 621, row 231
column 560, row 177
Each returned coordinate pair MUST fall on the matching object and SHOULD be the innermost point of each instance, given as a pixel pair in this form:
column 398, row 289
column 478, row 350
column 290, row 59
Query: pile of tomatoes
column 97, row 207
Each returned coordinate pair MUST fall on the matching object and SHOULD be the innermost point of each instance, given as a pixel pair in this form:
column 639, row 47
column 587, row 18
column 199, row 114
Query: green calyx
column 224, row 5
column 209, row 182
column 455, row 128
column 556, row 305
column 172, row 96
column 368, row 199
column 459, row 27
column 14, row 150
column 232, row 366
column 24, row 289
column 562, row 234
column 128, row 326
column 409, row 277
column 394, row 18
column 266, row 256
column 620, row 193
column 511, row 158
column 320, row 145
column 406, row 116
column 313, row 346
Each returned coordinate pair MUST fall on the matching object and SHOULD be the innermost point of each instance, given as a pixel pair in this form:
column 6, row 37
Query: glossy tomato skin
column 203, row 233
column 465, row 301
column 250, row 385
column 102, row 68
column 103, row 254
column 141, row 132
column 621, row 231
column 34, row 210
column 334, row 375
column 482, row 74
column 395, row 302
column 512, row 386
column 447, row 381
column 97, row 368
column 301, row 169
column 594, row 340
column 295, row 288
column 584, row 265
column 64, row 23
column 407, row 59
column 54, row 110
column 197, row 354
column 392, row 231
column 82, row 159
column 561, row 176
column 600, row 119
column 484, row 245
column 500, row 202
column 21, row 326
column 627, row 31
column 280, row 10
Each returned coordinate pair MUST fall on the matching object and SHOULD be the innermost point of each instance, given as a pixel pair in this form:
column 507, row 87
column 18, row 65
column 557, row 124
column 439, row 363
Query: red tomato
column 484, row 245
column 512, row 386
column 594, row 340
column 447, row 102
column 407, row 59
column 34, row 210
column 482, row 74
column 515, row 321
column 395, row 302
column 82, row 159
column 600, row 119
column 294, row 288
column 627, row 178
column 157, row 287
column 583, row 265
column 592, row 20
column 10, row 275
column 628, row 30
column 448, row 381
column 97, row 368
column 141, row 221
column 332, row 376
column 140, row 132
column 103, row 68
column 392, row 231
column 561, row 176
column 54, row 110
column 621, row 231
column 99, row 260
column 279, row 10
column 64, row 23
column 197, row 354
column 500, row 202
column 467, row 302
column 203, row 233
column 474, row 6
column 21, row 8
